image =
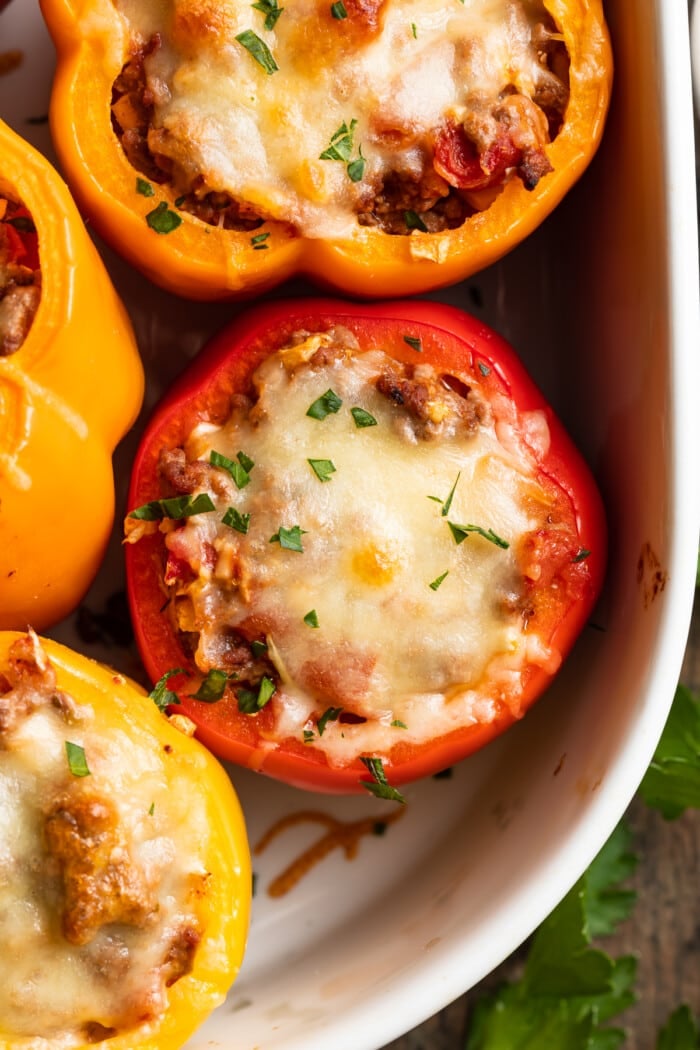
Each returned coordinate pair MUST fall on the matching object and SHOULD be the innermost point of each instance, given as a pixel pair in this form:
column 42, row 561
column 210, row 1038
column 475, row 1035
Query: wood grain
column 663, row 932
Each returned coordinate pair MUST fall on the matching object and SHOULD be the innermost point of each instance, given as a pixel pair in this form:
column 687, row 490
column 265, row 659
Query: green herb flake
column 338, row 10
column 289, row 539
column 671, row 784
column 258, row 649
column 144, row 188
column 340, row 147
column 311, row 619
column 234, row 467
column 331, row 714
column 250, row 702
column 151, row 809
column 162, row 219
column 438, row 580
column 356, row 168
column 161, row 696
column 258, row 49
column 77, row 762
column 258, row 241
column 414, row 222
column 213, row 686
column 174, row 508
column 236, row 520
column 460, row 533
column 362, row 418
column 379, row 786
column 325, row 405
column 581, row 555
column 271, row 10
column 445, row 510
column 414, row 30
column 179, row 201
column 398, row 724
column 322, row 468
column 308, row 736
column 414, row 342
column 484, row 368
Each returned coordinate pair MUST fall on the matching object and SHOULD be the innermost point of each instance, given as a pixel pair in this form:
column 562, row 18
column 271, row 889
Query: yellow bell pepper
column 67, row 395
column 201, row 261
column 125, row 741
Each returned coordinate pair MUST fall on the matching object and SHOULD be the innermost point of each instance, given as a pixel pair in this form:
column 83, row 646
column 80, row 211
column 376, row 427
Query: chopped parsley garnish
column 582, row 555
column 322, row 468
column 338, row 10
column 179, row 201
column 331, row 714
column 436, row 582
column 414, row 222
column 341, row 143
column 414, row 342
column 398, row 724
column 340, row 148
column 235, row 520
column 379, row 786
column 289, row 539
column 308, row 736
column 175, row 507
column 161, row 696
column 414, row 30
column 271, row 10
column 213, row 686
column 460, row 533
column 258, row 241
column 77, row 762
column 325, row 405
column 484, row 368
column 162, row 219
column 362, row 418
column 448, row 502
column 311, row 619
column 239, row 468
column 258, row 49
column 151, row 809
column 250, row 702
column 258, row 648
column 144, row 188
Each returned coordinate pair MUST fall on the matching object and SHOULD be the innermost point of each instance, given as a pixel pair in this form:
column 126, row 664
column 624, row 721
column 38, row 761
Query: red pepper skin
column 204, row 391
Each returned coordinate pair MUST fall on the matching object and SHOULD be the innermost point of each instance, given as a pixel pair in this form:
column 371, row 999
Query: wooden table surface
column 663, row 932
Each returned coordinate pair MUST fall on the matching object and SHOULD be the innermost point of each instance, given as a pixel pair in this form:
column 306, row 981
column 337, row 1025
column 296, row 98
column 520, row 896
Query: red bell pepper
column 555, row 563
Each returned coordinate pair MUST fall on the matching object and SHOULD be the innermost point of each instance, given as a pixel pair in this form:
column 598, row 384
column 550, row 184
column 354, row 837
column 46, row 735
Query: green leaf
column 259, row 50
column 322, row 468
column 331, row 714
column 356, row 169
column 162, row 220
column 460, row 533
column 175, row 508
column 606, row 903
column 236, row 520
column 414, row 342
column 311, row 619
column 672, row 781
column 362, row 418
column 340, row 146
column 680, row 1032
column 212, row 687
column 414, row 222
column 250, row 702
column 438, row 580
column 271, row 10
column 338, row 10
column 379, row 786
column 77, row 762
column 235, row 467
column 325, row 405
column 144, row 188
column 289, row 539
column 161, row 696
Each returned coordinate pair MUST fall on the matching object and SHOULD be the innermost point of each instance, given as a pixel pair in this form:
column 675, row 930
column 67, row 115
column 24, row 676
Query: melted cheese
column 388, row 646
column 51, row 990
column 259, row 136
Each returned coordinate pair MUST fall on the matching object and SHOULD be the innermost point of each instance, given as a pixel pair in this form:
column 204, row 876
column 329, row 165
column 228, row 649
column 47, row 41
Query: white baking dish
column 602, row 303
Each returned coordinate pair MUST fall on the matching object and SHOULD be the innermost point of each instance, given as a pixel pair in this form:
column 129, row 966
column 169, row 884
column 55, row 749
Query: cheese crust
column 368, row 580
column 402, row 115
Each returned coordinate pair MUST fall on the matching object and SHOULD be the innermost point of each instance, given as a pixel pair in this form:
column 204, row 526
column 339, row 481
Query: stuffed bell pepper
column 126, row 875
column 359, row 542
column 71, row 384
column 381, row 147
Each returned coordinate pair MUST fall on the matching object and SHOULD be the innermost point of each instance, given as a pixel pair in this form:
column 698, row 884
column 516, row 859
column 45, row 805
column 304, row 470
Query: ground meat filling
column 96, row 895
column 453, row 173
column 20, row 276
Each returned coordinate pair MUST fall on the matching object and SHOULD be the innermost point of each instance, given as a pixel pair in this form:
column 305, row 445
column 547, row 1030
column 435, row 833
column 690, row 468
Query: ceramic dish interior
column 601, row 302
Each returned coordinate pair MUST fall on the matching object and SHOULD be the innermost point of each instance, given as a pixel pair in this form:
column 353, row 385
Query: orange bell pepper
column 119, row 788
column 68, row 394
column 206, row 262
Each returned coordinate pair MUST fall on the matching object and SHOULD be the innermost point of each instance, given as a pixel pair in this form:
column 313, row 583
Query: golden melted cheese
column 396, row 79
column 388, row 645
column 54, row 992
